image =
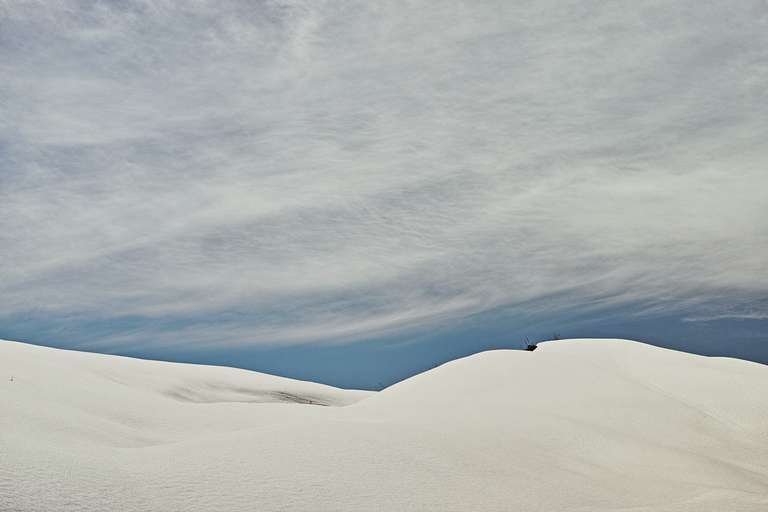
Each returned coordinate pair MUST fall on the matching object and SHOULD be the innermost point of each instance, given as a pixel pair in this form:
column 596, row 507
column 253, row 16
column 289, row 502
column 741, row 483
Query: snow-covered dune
column 577, row 425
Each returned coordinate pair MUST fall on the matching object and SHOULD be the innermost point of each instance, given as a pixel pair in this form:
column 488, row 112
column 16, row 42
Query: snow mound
column 577, row 425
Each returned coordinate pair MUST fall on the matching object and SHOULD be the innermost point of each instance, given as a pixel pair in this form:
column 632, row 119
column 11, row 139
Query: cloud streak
column 296, row 171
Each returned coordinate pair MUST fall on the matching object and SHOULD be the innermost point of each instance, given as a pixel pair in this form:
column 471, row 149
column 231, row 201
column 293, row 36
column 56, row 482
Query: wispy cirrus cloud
column 311, row 170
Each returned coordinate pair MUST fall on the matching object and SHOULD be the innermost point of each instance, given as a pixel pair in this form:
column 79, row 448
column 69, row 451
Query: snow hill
column 577, row 425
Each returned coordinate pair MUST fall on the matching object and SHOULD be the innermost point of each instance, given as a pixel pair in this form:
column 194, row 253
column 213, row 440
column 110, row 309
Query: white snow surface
column 577, row 425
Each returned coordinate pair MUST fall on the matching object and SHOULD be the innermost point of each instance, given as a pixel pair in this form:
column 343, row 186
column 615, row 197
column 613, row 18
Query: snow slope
column 578, row 425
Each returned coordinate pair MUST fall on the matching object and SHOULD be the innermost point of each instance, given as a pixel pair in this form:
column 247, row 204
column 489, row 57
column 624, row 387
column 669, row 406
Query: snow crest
column 578, row 425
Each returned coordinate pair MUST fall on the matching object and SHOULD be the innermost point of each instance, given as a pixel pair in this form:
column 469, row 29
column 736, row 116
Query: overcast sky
column 223, row 175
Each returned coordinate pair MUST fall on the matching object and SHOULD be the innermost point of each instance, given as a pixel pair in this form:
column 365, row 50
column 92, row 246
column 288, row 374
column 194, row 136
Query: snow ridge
column 578, row 425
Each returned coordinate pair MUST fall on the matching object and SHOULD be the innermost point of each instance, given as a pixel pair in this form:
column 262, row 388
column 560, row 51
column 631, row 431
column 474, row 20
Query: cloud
column 318, row 171
column 756, row 310
column 728, row 316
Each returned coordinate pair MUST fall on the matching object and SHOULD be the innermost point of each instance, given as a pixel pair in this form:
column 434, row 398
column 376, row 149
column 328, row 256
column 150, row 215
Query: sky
column 353, row 191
